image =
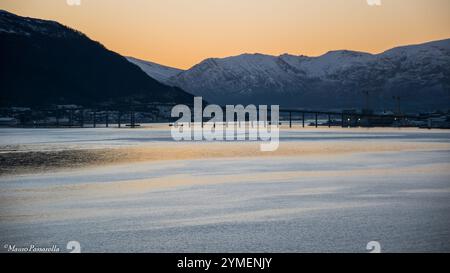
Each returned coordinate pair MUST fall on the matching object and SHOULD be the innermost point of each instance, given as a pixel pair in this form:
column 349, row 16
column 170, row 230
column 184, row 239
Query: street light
column 397, row 99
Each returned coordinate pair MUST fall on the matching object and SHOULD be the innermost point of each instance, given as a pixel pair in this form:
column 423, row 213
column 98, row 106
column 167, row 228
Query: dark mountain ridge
column 44, row 63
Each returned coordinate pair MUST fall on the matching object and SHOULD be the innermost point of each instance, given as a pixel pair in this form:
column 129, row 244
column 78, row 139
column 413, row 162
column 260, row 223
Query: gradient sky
column 181, row 33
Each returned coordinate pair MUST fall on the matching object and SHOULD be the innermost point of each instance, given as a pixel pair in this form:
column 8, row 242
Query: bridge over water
column 126, row 115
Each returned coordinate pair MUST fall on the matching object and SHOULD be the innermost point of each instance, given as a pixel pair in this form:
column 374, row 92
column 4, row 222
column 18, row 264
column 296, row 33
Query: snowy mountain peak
column 210, row 62
column 436, row 45
column 419, row 73
column 159, row 72
column 345, row 54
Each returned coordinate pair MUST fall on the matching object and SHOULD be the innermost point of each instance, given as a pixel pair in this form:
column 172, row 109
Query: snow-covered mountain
column 419, row 74
column 159, row 72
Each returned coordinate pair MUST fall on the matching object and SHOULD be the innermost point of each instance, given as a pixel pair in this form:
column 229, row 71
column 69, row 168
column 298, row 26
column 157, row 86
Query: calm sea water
column 317, row 203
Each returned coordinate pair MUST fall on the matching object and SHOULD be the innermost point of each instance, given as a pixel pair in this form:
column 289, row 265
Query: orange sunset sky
column 181, row 33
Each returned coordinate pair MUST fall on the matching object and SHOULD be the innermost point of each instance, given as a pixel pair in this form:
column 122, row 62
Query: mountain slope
column 44, row 62
column 156, row 71
column 420, row 74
